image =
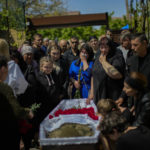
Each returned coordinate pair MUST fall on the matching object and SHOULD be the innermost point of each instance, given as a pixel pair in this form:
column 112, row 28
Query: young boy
column 105, row 106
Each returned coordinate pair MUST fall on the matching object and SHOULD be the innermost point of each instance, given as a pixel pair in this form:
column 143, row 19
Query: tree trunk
column 127, row 9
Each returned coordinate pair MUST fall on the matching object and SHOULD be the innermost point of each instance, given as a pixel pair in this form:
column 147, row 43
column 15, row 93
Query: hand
column 76, row 84
column 119, row 101
column 122, row 109
column 102, row 58
column 130, row 128
column 83, row 58
column 89, row 99
column 30, row 115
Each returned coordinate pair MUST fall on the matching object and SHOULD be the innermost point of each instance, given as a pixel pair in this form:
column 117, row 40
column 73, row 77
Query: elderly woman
column 108, row 72
column 138, row 97
column 30, row 73
column 32, row 66
column 80, row 71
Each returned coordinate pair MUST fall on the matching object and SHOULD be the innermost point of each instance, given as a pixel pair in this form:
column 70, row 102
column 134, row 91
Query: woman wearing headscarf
column 108, row 73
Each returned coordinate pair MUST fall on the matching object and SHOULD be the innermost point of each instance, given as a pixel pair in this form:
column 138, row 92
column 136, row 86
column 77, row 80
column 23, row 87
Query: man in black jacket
column 37, row 51
column 140, row 61
column 72, row 54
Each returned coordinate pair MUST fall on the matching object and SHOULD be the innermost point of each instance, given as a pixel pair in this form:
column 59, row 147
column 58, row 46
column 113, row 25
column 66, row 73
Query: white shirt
column 15, row 78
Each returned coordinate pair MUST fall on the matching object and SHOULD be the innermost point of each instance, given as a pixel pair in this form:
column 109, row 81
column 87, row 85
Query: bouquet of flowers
column 77, row 93
column 24, row 125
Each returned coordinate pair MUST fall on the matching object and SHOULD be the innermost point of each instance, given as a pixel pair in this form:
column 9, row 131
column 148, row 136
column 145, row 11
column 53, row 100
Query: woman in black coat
column 60, row 67
column 139, row 99
column 108, row 73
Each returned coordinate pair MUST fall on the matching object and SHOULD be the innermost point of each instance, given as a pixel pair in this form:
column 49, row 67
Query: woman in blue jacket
column 80, row 72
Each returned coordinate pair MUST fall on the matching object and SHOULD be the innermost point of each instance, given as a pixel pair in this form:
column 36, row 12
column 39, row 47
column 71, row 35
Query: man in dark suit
column 72, row 54
column 140, row 61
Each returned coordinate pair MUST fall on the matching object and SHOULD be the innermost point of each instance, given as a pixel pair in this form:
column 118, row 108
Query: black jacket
column 142, row 110
column 137, row 139
column 137, row 64
column 69, row 57
column 38, row 53
column 49, row 92
column 49, row 87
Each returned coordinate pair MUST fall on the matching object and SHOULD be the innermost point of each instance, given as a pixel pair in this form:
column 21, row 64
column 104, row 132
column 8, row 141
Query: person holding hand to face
column 108, row 72
column 80, row 71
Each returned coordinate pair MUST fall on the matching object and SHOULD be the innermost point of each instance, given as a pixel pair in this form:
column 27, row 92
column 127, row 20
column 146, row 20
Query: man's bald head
column 63, row 45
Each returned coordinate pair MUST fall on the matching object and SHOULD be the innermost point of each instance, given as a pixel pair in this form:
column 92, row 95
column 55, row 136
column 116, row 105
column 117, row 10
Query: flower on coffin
column 89, row 111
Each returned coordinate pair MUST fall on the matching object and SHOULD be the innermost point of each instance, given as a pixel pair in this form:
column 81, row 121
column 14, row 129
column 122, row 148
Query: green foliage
column 77, row 94
column 139, row 12
column 45, row 7
column 114, row 23
column 3, row 19
column 13, row 13
column 35, row 106
column 66, row 33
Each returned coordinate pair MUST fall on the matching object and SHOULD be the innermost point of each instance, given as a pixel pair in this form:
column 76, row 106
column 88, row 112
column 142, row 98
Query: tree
column 139, row 10
column 83, row 32
column 114, row 23
column 12, row 13
column 45, row 7
column 127, row 9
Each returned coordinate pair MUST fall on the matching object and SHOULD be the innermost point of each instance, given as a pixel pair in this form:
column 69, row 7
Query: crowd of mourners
column 115, row 75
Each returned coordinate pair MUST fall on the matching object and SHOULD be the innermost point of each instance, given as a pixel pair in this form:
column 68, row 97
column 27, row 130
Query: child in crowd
column 49, row 88
column 105, row 106
column 114, row 126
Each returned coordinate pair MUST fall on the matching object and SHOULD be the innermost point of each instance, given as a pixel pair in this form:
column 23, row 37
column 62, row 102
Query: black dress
column 104, row 86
